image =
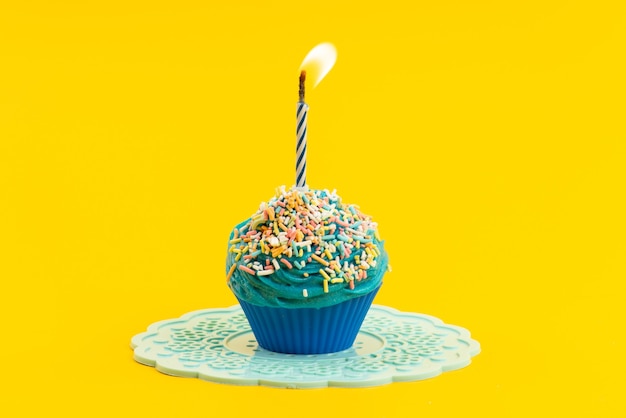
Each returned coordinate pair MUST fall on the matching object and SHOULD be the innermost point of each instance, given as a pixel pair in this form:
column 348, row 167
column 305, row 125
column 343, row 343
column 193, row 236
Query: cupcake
column 305, row 269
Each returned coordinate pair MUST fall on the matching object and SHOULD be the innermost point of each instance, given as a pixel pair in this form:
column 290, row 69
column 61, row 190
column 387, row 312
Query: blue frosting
column 338, row 227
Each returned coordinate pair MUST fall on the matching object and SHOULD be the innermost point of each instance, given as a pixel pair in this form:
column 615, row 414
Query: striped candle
column 302, row 110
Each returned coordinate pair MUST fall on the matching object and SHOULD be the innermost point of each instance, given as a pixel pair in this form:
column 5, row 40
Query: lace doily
column 218, row 345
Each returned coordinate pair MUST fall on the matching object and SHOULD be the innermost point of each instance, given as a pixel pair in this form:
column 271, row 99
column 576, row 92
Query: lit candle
column 318, row 61
column 302, row 110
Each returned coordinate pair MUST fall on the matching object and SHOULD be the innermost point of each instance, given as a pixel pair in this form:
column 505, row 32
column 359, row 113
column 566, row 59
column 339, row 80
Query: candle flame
column 319, row 61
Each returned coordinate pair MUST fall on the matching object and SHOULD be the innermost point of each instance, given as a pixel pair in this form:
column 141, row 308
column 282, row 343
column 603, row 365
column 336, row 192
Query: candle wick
column 302, row 78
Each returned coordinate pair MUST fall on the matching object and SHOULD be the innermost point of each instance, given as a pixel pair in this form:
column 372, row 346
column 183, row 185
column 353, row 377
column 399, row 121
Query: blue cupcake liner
column 308, row 330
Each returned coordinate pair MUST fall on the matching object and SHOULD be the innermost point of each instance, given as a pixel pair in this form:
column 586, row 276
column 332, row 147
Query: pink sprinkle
column 280, row 203
column 247, row 270
column 342, row 223
column 285, row 262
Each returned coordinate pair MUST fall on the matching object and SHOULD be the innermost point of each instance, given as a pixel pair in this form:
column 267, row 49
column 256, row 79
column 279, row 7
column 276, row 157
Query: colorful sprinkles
column 298, row 227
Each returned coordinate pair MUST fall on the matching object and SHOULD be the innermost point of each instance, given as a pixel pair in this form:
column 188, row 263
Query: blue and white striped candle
column 302, row 109
column 318, row 63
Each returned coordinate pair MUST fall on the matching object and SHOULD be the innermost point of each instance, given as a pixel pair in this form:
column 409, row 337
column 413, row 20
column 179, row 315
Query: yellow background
column 486, row 138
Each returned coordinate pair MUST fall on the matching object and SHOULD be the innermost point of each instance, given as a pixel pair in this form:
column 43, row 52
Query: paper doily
column 217, row 345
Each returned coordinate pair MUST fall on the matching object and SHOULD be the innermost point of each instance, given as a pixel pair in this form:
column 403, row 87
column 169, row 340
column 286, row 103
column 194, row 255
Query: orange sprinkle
column 278, row 251
column 320, row 260
column 231, row 271
column 351, row 283
column 285, row 262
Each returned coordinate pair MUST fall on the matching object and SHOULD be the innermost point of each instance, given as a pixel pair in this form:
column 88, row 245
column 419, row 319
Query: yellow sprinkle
column 236, row 250
column 275, row 228
column 245, row 249
column 306, row 274
column 358, row 244
column 319, row 260
column 270, row 212
column 325, row 286
column 328, row 254
column 324, row 274
column 337, row 268
column 230, row 272
column 357, row 259
column 256, row 221
column 300, row 253
column 262, row 247
column 238, row 257
column 235, row 240
column 369, row 252
column 337, row 280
